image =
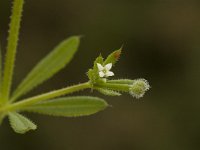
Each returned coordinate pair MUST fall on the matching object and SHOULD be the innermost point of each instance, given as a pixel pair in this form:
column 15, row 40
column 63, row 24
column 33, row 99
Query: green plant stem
column 121, row 81
column 47, row 96
column 11, row 49
column 114, row 86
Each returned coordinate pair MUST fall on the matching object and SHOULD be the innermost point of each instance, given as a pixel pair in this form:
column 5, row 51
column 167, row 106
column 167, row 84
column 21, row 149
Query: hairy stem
column 114, row 86
column 46, row 96
column 11, row 49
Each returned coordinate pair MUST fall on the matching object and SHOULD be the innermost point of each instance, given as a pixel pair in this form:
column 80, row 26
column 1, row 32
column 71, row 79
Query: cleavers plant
column 12, row 105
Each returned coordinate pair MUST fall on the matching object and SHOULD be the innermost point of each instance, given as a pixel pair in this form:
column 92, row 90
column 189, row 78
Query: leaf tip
column 118, row 53
column 78, row 36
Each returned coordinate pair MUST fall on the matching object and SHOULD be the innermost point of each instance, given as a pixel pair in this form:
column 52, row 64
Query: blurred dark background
column 161, row 44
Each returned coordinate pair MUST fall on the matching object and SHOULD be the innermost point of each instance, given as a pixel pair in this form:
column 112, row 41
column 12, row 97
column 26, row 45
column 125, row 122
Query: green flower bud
column 139, row 87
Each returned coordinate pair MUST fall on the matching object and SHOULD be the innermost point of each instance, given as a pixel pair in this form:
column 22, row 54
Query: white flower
column 104, row 71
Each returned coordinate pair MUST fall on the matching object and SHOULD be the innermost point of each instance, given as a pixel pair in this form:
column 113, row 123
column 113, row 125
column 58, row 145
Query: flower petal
column 109, row 74
column 100, row 67
column 101, row 74
column 108, row 66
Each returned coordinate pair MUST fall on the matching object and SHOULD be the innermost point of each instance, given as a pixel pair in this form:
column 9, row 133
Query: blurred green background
column 161, row 44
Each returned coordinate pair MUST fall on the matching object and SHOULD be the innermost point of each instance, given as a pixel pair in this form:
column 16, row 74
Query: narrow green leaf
column 99, row 60
column 69, row 106
column 108, row 92
column 11, row 49
column 91, row 76
column 48, row 66
column 20, row 124
column 113, row 57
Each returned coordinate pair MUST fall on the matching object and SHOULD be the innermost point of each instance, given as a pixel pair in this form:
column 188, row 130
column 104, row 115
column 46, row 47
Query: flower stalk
column 114, row 86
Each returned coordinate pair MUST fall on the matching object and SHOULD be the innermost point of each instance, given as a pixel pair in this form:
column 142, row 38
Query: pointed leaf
column 93, row 74
column 113, row 57
column 69, row 106
column 20, row 124
column 48, row 66
column 11, row 49
column 99, row 60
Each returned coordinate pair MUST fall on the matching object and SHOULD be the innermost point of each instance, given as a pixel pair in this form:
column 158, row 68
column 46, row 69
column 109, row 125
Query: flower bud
column 139, row 87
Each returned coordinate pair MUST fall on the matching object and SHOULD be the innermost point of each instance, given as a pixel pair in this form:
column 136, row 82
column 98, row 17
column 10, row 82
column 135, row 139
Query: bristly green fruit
column 139, row 87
